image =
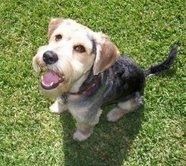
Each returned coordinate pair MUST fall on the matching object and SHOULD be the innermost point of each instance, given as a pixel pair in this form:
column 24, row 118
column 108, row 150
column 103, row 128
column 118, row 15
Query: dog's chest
column 78, row 108
column 79, row 113
column 83, row 107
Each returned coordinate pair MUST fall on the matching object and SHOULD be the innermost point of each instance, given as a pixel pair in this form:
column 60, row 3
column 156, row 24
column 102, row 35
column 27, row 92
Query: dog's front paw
column 79, row 136
column 57, row 108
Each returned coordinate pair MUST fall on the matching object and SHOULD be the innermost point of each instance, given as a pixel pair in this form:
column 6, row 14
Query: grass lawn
column 145, row 30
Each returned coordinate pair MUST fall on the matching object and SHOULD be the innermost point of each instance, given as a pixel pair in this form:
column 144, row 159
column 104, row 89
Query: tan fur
column 54, row 23
column 106, row 57
column 75, row 67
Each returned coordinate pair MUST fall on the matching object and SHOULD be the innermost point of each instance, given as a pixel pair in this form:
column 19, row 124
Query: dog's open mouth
column 51, row 80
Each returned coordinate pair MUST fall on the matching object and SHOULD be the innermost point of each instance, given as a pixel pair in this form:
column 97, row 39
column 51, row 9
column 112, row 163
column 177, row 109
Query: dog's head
column 73, row 50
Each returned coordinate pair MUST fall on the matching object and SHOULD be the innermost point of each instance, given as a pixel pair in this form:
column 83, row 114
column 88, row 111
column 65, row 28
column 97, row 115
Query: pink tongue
column 50, row 77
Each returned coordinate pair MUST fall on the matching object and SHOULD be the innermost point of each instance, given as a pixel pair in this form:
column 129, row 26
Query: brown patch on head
column 106, row 57
column 54, row 23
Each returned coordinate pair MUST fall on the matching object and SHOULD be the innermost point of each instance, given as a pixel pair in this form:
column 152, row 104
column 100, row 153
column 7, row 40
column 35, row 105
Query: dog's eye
column 58, row 37
column 79, row 48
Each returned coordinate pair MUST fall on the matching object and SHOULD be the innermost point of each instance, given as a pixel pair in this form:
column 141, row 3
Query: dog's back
column 119, row 83
column 123, row 80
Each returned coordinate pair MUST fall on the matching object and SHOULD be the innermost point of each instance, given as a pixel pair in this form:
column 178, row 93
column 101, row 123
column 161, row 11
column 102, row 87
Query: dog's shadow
column 108, row 145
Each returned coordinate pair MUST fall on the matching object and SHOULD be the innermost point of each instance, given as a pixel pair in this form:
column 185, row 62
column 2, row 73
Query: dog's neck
column 86, row 84
column 77, row 84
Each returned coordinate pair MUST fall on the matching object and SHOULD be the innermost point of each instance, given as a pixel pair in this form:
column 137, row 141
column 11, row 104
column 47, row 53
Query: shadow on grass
column 109, row 144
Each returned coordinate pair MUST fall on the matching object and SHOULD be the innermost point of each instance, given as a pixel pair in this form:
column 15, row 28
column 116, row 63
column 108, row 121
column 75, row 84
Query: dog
column 84, row 71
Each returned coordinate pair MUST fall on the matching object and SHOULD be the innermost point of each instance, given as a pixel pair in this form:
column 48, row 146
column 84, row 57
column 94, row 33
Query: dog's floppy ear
column 106, row 56
column 54, row 23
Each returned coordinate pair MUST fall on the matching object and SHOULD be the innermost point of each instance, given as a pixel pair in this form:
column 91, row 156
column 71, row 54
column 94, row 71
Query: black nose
column 50, row 57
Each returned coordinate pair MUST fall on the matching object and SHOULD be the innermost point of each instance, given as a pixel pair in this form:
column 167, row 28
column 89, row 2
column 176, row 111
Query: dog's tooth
column 44, row 84
column 51, row 83
column 48, row 85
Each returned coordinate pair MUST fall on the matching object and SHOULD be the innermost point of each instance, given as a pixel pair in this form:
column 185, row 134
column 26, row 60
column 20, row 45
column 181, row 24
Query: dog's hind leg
column 125, row 107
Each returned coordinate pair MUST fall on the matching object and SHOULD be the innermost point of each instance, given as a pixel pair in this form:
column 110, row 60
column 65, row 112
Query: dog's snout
column 50, row 57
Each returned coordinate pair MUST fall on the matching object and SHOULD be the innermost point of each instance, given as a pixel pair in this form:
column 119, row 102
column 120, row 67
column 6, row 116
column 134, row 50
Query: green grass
column 31, row 135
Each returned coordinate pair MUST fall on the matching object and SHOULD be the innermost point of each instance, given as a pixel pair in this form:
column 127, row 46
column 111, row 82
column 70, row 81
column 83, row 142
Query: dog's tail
column 165, row 64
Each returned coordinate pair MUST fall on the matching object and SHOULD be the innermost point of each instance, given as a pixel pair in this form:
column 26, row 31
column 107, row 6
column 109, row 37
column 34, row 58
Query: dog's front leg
column 85, row 127
column 59, row 106
column 84, row 130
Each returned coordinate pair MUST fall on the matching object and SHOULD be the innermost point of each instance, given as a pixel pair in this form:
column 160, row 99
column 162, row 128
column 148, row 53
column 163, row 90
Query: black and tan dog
column 84, row 70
